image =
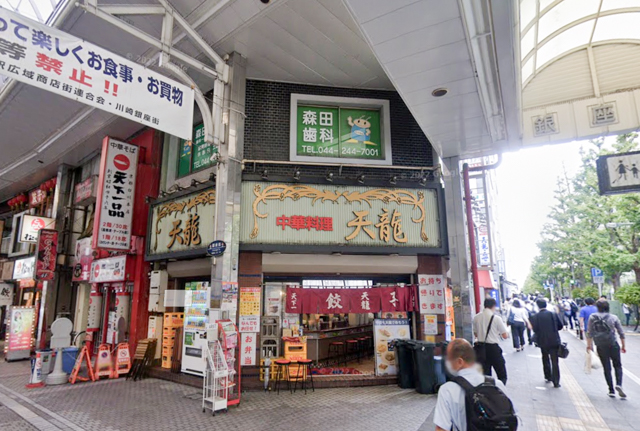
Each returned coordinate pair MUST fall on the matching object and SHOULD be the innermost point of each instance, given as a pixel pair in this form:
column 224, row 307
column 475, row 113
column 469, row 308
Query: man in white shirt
column 450, row 413
column 493, row 353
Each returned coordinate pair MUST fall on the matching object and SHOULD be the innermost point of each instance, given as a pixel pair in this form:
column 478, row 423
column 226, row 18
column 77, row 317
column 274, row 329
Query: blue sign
column 216, row 248
column 596, row 272
column 494, row 294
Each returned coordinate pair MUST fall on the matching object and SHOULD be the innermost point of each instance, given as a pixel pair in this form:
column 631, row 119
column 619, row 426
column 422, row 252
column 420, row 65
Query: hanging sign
column 6, row 294
column 389, row 300
column 47, row 254
column 109, row 270
column 54, row 61
column 116, row 192
column 23, row 268
column 619, row 173
column 85, row 191
column 249, row 346
column 30, row 225
column 431, row 293
column 36, row 197
column 83, row 258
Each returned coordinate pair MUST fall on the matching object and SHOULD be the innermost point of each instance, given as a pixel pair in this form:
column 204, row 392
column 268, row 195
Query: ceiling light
column 265, row 174
column 296, row 174
column 361, row 179
column 393, row 180
column 329, row 177
column 439, row 92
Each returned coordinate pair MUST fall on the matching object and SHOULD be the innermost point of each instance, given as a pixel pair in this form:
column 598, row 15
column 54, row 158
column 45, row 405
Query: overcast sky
column 526, row 181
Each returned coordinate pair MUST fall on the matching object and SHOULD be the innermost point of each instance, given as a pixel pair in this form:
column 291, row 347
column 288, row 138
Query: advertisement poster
column 31, row 225
column 431, row 293
column 116, row 191
column 385, row 332
column 70, row 67
column 229, row 296
column 250, row 301
column 83, row 258
column 273, row 300
column 108, row 270
column 20, row 330
column 47, row 253
column 23, row 268
column 430, row 324
column 249, row 324
column 249, row 347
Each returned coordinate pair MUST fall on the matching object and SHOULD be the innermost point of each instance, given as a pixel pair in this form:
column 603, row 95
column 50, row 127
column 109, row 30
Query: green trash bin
column 424, row 367
column 404, row 358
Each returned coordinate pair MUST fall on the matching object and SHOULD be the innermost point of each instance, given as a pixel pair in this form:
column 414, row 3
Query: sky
column 526, row 181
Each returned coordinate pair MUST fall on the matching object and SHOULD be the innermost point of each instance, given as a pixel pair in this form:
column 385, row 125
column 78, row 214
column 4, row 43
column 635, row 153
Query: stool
column 369, row 345
column 352, row 347
column 362, row 346
column 306, row 371
column 283, row 367
column 338, row 350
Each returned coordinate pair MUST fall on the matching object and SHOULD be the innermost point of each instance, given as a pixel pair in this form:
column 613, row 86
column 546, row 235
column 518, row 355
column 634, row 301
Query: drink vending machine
column 196, row 317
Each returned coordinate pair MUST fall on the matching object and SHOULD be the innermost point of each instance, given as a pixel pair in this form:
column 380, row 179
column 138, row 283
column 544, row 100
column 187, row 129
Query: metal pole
column 472, row 237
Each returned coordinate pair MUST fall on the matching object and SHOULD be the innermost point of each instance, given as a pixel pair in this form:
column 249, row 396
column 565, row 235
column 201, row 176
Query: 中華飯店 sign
column 182, row 226
column 340, row 216
column 55, row 61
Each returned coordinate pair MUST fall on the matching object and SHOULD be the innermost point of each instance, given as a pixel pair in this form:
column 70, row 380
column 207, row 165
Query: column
column 458, row 248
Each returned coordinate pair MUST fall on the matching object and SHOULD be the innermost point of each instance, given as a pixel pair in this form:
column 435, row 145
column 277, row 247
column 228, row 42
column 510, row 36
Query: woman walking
column 519, row 321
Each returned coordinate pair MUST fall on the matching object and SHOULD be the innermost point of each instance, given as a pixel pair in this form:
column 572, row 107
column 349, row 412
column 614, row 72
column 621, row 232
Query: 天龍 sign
column 30, row 226
column 182, row 226
column 47, row 254
column 52, row 60
column 337, row 216
column 116, row 192
column 619, row 173
column 349, row 129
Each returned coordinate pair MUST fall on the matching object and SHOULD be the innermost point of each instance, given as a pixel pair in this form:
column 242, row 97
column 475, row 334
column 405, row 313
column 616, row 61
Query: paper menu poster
column 385, row 332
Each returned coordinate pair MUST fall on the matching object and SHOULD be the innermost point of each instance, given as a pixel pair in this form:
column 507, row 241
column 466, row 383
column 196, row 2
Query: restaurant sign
column 23, row 268
column 339, row 216
column 109, row 270
column 370, row 300
column 47, row 253
column 31, row 225
column 85, row 191
column 182, row 226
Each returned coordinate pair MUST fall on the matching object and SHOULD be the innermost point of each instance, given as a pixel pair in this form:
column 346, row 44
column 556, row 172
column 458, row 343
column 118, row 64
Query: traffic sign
column 216, row 248
column 597, row 275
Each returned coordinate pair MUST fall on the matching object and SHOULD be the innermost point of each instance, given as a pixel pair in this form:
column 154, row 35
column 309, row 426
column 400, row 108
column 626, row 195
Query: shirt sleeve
column 500, row 325
column 618, row 326
column 581, row 313
column 442, row 416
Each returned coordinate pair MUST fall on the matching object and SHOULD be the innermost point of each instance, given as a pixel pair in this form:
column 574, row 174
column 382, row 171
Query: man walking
column 587, row 311
column 601, row 330
column 489, row 328
column 545, row 327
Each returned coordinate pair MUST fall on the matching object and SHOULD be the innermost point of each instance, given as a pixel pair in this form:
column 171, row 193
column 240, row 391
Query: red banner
column 47, row 254
column 336, row 301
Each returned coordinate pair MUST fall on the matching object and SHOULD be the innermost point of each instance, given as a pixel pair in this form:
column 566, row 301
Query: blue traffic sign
column 596, row 272
column 216, row 248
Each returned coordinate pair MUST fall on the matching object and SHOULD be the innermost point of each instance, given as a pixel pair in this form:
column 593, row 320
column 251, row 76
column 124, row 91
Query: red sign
column 84, row 190
column 47, row 254
column 83, row 260
column 36, row 197
column 338, row 301
column 298, row 222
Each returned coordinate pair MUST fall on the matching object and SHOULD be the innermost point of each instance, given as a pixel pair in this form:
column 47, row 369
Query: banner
column 329, row 301
column 431, row 293
column 47, row 254
column 116, row 192
column 364, row 300
column 54, row 61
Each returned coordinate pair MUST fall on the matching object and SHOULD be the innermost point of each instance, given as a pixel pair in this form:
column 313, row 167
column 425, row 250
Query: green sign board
column 195, row 155
column 339, row 132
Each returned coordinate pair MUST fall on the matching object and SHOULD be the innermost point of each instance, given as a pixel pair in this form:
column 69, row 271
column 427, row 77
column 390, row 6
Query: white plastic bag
column 595, row 361
column 587, row 363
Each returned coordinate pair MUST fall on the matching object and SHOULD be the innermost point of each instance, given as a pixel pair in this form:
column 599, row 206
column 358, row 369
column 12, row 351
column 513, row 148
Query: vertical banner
column 116, row 192
column 47, row 254
column 249, row 347
column 431, row 293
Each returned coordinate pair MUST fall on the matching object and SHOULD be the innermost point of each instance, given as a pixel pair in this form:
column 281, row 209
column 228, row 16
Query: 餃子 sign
column 55, row 61
column 116, row 192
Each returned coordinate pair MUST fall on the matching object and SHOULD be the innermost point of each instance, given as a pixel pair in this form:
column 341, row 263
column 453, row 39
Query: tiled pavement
column 580, row 405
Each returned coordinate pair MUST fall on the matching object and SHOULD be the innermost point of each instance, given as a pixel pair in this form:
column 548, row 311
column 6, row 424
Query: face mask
column 449, row 367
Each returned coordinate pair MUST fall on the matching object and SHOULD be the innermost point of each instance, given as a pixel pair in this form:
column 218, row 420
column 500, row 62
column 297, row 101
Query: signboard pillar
column 228, row 181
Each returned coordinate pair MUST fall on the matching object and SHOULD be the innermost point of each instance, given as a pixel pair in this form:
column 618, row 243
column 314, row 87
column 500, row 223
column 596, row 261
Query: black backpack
column 487, row 407
column 603, row 335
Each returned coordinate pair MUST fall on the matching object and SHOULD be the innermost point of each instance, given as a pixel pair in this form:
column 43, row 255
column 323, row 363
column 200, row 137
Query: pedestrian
column 601, row 330
column 488, row 329
column 566, row 307
column 587, row 311
column 531, row 311
column 453, row 412
column 627, row 312
column 546, row 325
column 519, row 322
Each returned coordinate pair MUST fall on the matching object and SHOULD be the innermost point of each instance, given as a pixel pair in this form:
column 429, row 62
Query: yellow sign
column 250, row 301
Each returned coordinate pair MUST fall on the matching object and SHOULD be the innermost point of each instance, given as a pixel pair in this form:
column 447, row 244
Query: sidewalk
column 580, row 405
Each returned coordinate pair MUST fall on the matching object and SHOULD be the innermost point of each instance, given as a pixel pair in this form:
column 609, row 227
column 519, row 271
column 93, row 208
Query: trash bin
column 69, row 355
column 441, row 375
column 424, row 367
column 404, row 358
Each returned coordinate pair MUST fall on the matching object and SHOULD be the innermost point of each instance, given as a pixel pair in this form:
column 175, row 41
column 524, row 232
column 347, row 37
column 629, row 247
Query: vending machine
column 196, row 317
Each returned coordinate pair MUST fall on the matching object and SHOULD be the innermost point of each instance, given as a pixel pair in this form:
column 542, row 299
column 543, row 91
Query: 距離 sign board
column 55, row 61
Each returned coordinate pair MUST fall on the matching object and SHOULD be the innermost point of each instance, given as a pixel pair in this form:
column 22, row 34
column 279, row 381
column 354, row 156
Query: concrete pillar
column 228, row 179
column 458, row 248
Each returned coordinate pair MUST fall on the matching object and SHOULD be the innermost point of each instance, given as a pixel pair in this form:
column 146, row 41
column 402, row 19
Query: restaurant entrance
column 348, row 323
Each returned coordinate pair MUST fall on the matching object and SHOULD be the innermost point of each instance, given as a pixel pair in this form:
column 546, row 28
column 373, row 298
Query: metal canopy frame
column 212, row 118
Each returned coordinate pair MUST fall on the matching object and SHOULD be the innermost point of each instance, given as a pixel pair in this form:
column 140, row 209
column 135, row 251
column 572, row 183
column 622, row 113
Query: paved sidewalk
column 580, row 405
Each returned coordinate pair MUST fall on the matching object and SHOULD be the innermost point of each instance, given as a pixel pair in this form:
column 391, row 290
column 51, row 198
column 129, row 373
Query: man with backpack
column 546, row 325
column 471, row 401
column 601, row 330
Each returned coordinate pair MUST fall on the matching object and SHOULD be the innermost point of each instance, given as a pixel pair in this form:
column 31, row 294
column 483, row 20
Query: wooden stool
column 283, row 366
column 306, row 371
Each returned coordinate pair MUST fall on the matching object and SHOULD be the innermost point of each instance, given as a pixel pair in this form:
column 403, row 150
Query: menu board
column 250, row 301
column 229, row 296
column 386, row 331
column 20, row 330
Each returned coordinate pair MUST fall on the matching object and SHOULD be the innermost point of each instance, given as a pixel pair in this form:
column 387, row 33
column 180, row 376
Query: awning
column 486, row 279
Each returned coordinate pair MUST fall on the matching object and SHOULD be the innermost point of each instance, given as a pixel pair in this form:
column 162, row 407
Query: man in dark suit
column 546, row 325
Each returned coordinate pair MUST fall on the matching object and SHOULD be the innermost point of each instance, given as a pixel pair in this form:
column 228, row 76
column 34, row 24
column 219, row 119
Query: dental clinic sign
column 55, row 61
